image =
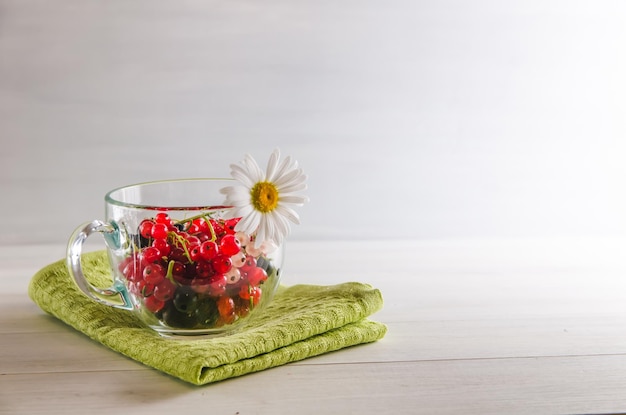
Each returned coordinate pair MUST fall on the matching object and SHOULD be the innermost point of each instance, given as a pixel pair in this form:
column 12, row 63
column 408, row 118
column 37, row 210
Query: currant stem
column 250, row 295
column 211, row 229
column 181, row 242
column 191, row 218
column 170, row 272
column 207, row 219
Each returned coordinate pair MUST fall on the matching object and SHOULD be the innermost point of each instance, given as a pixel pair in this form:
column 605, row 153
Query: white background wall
column 413, row 119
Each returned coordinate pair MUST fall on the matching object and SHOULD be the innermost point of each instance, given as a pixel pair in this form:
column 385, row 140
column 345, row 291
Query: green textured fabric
column 302, row 321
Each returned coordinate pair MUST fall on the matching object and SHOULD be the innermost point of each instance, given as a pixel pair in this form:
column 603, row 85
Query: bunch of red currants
column 195, row 273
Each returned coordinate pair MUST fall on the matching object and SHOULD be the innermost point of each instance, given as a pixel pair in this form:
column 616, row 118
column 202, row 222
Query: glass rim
column 110, row 199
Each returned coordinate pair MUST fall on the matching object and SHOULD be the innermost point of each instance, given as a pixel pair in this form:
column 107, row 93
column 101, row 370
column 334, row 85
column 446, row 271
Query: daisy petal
column 294, row 199
column 282, row 226
column 242, row 175
column 288, row 213
column 235, row 211
column 249, row 223
column 293, row 188
column 238, row 199
column 271, row 165
column 243, row 211
column 289, row 178
column 261, row 232
column 284, row 166
column 254, row 171
column 233, row 190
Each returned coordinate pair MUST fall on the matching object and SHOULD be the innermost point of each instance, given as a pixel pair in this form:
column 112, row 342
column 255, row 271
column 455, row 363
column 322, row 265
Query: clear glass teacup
column 176, row 259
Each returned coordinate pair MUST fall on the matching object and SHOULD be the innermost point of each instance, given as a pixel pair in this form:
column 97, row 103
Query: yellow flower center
column 264, row 196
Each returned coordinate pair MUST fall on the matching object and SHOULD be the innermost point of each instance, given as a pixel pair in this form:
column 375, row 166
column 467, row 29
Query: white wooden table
column 475, row 326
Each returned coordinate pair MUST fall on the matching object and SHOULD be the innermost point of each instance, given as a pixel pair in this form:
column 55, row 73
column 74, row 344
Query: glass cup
column 176, row 260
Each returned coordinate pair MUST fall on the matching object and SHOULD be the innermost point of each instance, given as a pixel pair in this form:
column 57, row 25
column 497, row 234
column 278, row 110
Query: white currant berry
column 243, row 238
column 233, row 276
column 238, row 260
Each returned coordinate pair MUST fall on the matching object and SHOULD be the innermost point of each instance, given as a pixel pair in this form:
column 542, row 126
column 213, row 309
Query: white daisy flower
column 265, row 200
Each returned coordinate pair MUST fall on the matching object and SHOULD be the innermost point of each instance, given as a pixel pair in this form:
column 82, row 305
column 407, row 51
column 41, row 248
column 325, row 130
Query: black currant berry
column 263, row 262
column 206, row 314
column 266, row 264
column 185, row 300
column 178, row 319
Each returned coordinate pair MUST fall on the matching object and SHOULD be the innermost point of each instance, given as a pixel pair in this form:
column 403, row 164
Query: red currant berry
column 256, row 275
column 153, row 304
column 204, row 269
column 132, row 271
column 251, row 293
column 194, row 253
column 230, row 245
column 192, row 240
column 242, row 307
column 250, row 262
column 150, row 255
column 256, row 295
column 193, row 229
column 222, row 320
column 178, row 254
column 201, row 224
column 178, row 269
column 203, row 237
column 222, row 264
column 217, row 228
column 163, row 218
column 245, row 291
column 153, row 273
column 144, row 288
column 159, row 231
column 164, row 290
column 182, row 274
column 127, row 265
column 200, row 285
column 183, row 235
column 123, row 263
column 180, row 279
column 225, row 306
column 217, row 285
column 209, row 250
column 229, row 225
column 163, row 247
column 145, row 228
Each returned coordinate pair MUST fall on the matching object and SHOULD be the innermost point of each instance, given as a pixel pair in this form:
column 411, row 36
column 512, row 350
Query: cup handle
column 74, row 251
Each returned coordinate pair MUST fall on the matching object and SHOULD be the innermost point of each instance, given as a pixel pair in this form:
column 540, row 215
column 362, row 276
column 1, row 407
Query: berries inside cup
column 195, row 273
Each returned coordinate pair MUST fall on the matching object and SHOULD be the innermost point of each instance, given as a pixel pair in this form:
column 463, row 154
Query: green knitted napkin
column 302, row 321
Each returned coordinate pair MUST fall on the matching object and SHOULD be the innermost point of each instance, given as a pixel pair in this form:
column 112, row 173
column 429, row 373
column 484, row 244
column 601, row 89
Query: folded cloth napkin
column 302, row 321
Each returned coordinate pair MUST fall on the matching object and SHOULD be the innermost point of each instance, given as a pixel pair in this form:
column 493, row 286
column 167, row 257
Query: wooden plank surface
column 475, row 326
column 564, row 385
